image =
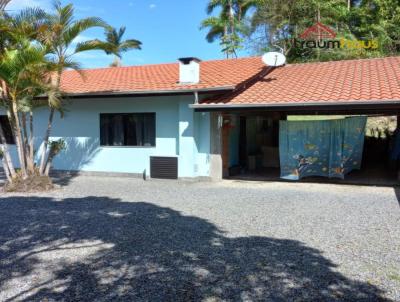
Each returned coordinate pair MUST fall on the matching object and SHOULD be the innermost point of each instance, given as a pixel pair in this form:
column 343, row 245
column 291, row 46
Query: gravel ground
column 116, row 239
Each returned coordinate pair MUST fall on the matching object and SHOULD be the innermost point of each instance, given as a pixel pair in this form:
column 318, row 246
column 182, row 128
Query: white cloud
column 152, row 6
column 16, row 5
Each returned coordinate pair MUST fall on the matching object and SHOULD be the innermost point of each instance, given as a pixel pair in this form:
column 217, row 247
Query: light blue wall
column 186, row 139
column 176, row 125
column 202, row 143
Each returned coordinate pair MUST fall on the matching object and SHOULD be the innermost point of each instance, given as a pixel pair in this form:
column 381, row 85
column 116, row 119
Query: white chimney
column 189, row 70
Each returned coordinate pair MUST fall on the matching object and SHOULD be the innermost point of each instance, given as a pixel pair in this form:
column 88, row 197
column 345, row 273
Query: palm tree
column 228, row 26
column 58, row 36
column 229, row 8
column 114, row 44
column 24, row 73
column 219, row 28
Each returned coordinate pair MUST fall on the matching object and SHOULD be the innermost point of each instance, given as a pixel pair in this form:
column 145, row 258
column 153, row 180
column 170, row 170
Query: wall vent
column 164, row 167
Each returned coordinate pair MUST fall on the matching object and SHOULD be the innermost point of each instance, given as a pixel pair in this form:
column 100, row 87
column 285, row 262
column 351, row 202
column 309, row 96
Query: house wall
column 179, row 132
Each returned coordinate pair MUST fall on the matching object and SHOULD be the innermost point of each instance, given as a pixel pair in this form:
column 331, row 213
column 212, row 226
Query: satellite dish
column 274, row 58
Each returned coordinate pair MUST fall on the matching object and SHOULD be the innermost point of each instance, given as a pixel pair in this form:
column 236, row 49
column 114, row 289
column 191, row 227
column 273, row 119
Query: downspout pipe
column 196, row 97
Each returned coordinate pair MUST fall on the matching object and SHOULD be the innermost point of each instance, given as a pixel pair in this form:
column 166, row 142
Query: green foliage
column 231, row 43
column 35, row 48
column 59, row 32
column 114, row 44
column 279, row 22
column 57, row 146
column 229, row 26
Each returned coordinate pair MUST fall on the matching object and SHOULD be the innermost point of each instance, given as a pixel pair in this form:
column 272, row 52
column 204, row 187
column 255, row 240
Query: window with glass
column 5, row 124
column 128, row 129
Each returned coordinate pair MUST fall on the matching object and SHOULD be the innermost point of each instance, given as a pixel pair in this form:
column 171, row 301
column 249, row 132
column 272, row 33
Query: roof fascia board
column 151, row 92
column 272, row 105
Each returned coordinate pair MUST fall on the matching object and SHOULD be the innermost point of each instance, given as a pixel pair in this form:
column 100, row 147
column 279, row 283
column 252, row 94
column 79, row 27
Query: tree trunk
column 25, row 137
column 6, row 169
column 31, row 151
column 46, row 143
column 6, row 154
column 48, row 130
column 48, row 163
column 28, row 158
column 19, row 140
column 232, row 24
column 225, row 39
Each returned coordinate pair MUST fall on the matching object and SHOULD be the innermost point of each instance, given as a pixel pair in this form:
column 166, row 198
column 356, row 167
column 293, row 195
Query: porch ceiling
column 388, row 108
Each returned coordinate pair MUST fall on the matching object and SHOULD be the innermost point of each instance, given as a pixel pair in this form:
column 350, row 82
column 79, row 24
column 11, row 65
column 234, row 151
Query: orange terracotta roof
column 363, row 80
column 162, row 77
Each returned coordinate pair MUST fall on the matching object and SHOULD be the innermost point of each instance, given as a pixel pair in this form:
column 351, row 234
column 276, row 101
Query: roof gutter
column 150, row 92
column 286, row 105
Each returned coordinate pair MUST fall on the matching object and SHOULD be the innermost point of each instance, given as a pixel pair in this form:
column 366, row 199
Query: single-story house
column 193, row 119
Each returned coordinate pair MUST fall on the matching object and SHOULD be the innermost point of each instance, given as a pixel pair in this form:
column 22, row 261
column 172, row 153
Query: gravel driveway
column 120, row 239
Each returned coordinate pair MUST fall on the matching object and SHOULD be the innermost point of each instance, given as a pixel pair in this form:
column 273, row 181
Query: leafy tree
column 58, row 36
column 378, row 19
column 23, row 74
column 114, row 44
column 230, row 41
column 35, row 48
column 228, row 26
column 280, row 22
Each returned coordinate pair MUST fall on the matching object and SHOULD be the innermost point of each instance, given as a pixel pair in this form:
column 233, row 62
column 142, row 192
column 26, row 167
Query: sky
column 168, row 29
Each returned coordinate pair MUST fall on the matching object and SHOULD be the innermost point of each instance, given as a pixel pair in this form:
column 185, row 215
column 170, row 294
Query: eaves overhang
column 298, row 105
column 149, row 92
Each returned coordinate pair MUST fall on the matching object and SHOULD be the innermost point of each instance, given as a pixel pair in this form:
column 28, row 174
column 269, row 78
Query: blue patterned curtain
column 330, row 148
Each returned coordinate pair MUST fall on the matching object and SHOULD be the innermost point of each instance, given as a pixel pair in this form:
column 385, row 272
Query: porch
column 249, row 143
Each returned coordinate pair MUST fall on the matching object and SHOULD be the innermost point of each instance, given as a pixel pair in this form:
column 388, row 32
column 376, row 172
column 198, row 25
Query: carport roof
column 336, row 82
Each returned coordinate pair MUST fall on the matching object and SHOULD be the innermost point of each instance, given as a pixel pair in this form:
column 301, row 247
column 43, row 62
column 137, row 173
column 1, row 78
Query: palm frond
column 213, row 4
column 121, row 31
column 54, row 98
column 216, row 28
column 114, row 43
column 80, row 26
column 95, row 45
column 76, row 66
column 64, row 14
column 130, row 44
